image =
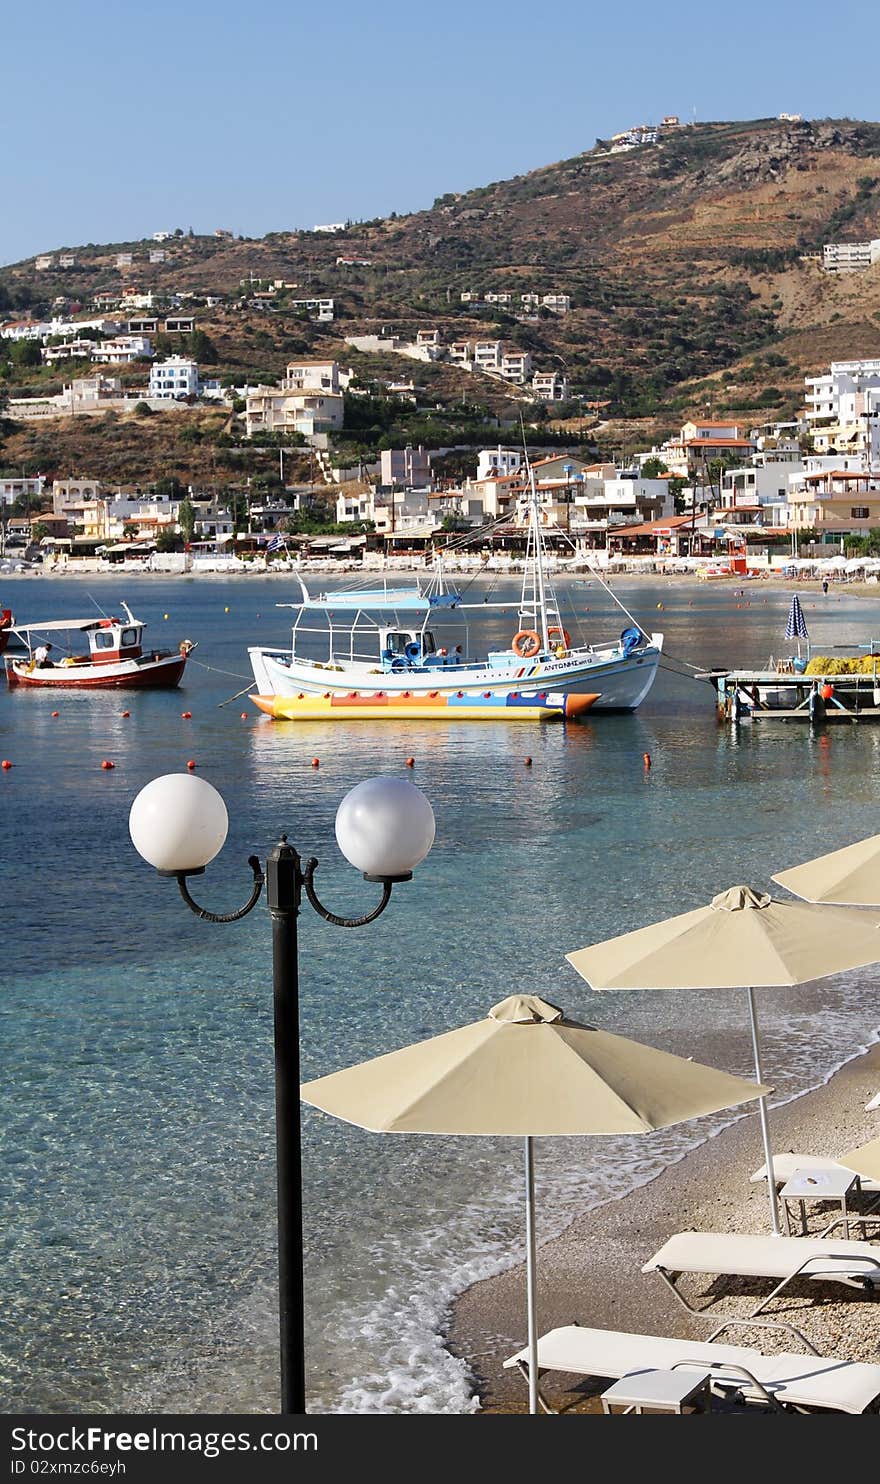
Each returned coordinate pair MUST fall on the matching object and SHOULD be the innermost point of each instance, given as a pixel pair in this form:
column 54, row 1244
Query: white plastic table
column 659, row 1391
column 818, row 1185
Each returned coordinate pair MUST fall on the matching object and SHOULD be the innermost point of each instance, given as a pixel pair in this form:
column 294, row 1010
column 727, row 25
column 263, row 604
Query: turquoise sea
column 136, row 1151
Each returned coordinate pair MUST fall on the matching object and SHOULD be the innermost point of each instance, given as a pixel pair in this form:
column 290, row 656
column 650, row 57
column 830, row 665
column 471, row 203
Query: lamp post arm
column 207, row 916
column 308, row 882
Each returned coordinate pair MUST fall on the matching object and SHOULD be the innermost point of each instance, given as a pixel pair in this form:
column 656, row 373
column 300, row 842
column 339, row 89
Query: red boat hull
column 154, row 675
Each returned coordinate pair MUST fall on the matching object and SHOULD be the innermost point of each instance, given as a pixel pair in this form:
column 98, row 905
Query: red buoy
column 410, row 762
column 527, row 761
column 106, row 764
column 5, row 763
column 191, row 764
column 244, row 716
column 126, row 713
column 646, row 759
column 187, row 715
column 56, row 713
column 316, row 762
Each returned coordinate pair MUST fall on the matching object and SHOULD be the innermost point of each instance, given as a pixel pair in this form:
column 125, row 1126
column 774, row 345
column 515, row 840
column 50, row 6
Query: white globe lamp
column 178, row 823
column 385, row 827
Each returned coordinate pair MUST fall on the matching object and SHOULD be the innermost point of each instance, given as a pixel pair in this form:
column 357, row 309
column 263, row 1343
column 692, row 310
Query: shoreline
column 736, row 586
column 591, row 1273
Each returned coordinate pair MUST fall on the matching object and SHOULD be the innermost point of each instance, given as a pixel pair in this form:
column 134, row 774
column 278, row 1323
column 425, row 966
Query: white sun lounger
column 733, row 1254
column 787, row 1165
column 799, row 1382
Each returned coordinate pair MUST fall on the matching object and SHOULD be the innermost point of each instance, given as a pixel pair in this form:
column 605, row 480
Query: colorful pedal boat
column 433, row 706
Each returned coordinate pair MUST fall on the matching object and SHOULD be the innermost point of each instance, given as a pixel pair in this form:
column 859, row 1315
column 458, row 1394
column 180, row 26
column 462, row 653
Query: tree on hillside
column 202, row 348
column 169, row 488
column 186, row 519
column 25, row 353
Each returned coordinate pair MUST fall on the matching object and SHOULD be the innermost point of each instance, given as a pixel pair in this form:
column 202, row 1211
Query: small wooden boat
column 116, row 657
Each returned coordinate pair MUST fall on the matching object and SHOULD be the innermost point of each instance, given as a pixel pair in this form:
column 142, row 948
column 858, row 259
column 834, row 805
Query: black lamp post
column 385, row 827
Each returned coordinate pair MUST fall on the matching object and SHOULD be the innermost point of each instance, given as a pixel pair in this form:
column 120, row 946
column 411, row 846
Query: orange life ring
column 563, row 633
column 526, row 644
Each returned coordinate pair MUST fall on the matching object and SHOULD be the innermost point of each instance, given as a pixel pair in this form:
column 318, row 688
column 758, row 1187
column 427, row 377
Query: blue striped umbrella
column 796, row 628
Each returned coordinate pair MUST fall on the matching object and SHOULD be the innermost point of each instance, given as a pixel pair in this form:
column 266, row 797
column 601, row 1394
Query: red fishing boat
column 116, row 656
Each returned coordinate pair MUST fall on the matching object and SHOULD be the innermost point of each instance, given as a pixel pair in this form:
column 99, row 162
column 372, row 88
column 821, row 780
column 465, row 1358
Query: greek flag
column 796, row 628
column 277, row 543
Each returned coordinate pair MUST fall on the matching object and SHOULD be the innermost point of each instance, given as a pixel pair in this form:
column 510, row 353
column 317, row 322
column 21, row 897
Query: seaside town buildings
column 309, row 401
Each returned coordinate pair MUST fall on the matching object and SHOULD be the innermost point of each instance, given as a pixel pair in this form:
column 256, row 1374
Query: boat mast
column 535, row 538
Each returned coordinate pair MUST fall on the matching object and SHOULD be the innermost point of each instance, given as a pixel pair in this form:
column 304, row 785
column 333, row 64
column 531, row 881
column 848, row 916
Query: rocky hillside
column 688, row 264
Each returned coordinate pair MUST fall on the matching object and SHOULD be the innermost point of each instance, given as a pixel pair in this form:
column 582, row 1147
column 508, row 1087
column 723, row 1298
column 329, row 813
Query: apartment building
column 759, row 493
column 850, row 257
column 69, row 350
column 550, row 386
column 174, row 379
column 498, row 461
column 299, row 410
column 123, row 350
column 28, row 487
column 324, row 309
column 699, row 442
column 843, row 392
column 405, row 466
column 836, row 503
column 516, row 366
column 486, row 355
column 320, row 376
column 67, row 492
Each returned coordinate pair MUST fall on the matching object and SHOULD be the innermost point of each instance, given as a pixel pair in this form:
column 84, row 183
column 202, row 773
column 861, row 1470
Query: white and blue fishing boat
column 403, row 653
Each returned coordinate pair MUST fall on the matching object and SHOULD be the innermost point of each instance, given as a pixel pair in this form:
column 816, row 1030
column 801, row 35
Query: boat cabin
column 114, row 639
column 111, row 641
column 415, row 649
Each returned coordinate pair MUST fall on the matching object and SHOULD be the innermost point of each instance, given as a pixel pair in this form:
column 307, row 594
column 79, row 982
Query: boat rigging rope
column 234, row 674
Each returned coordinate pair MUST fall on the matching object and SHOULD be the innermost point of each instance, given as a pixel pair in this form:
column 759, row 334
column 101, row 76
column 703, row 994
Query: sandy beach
column 591, row 1274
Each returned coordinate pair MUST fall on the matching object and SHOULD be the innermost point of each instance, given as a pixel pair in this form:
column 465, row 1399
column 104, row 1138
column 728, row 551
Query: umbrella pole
column 530, row 1276
column 762, row 1113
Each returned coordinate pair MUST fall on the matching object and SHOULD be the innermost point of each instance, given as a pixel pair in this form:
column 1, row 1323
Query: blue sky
column 125, row 119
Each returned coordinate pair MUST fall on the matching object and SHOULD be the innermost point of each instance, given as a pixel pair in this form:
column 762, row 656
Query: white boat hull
column 619, row 682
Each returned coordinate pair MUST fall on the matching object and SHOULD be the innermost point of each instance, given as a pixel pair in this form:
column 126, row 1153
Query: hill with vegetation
column 691, row 264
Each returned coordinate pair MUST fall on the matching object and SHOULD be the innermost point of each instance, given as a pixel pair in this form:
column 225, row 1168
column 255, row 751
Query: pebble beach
column 591, row 1274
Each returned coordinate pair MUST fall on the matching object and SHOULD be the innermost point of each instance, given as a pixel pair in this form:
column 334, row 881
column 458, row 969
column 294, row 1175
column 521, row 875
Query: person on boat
column 41, row 657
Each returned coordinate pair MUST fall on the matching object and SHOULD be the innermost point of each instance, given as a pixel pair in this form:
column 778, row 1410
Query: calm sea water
column 136, row 1137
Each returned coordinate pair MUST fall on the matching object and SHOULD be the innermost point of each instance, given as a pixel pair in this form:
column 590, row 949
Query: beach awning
column 525, row 1070
column 848, row 877
column 743, row 939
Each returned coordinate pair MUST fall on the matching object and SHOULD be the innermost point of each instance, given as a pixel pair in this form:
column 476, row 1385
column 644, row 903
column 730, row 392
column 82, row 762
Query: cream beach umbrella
column 743, row 939
column 848, row 877
column 525, row 1071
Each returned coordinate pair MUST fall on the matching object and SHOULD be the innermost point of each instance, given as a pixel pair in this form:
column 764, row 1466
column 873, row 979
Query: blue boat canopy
column 405, row 599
